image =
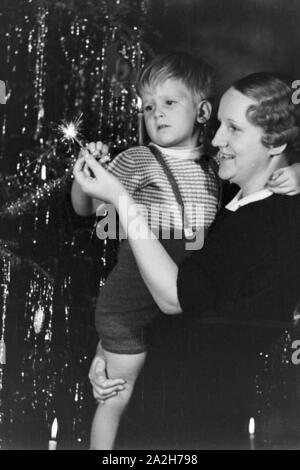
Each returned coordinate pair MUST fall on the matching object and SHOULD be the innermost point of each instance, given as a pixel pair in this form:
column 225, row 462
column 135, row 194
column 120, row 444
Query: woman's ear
column 276, row 151
column 203, row 111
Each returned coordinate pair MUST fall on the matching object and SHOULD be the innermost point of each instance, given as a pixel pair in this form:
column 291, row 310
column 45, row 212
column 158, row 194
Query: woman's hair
column 191, row 71
column 274, row 112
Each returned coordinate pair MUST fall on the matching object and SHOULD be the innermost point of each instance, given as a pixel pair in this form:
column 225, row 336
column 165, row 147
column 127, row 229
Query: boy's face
column 171, row 115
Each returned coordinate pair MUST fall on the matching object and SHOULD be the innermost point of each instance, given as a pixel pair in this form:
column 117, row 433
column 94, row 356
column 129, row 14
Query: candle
column 251, row 430
column 52, row 444
column 43, row 172
column 140, row 121
column 2, row 352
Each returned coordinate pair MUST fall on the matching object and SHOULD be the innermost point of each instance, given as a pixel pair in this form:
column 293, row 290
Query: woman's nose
column 219, row 139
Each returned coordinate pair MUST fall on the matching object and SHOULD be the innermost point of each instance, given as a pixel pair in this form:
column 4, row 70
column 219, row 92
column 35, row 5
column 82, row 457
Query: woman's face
column 244, row 160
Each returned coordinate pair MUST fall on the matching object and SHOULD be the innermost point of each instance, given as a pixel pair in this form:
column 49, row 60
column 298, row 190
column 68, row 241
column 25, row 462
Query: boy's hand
column 285, row 180
column 103, row 388
column 97, row 150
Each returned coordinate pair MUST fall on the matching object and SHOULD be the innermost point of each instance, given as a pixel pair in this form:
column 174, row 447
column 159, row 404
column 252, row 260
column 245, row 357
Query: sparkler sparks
column 71, row 131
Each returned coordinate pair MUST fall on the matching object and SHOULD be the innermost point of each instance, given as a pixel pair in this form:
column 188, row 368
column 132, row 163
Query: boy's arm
column 123, row 167
column 286, row 180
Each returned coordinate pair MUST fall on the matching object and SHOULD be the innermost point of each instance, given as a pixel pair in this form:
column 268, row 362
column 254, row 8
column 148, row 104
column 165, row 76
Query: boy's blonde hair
column 191, row 71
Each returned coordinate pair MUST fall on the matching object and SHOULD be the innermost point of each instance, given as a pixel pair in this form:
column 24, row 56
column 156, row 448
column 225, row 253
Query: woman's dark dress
column 206, row 379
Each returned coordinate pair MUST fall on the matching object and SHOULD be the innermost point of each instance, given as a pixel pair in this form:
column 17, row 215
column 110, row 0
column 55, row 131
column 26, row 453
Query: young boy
column 172, row 171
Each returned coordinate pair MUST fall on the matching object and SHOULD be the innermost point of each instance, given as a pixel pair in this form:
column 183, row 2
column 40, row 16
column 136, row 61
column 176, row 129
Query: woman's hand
column 95, row 181
column 103, row 388
column 286, row 180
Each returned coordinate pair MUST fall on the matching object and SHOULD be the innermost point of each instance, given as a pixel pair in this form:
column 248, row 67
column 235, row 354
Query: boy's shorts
column 125, row 308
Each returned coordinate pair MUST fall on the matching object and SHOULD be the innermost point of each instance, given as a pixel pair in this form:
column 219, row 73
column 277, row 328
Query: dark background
column 236, row 37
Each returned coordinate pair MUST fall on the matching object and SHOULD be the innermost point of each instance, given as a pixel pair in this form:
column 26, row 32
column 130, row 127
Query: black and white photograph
column 149, row 227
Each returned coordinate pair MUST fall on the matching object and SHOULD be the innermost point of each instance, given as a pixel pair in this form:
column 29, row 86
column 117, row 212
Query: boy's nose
column 158, row 112
column 219, row 139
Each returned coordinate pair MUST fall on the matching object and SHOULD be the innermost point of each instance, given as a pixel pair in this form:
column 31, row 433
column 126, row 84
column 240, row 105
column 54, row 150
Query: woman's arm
column 156, row 267
column 103, row 387
column 82, row 204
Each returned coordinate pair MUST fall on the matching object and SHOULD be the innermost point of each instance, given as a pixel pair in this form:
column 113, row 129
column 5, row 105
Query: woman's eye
column 147, row 108
column 170, row 102
column 233, row 128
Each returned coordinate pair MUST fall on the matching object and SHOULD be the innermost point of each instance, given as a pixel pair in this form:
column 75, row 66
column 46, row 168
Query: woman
column 245, row 279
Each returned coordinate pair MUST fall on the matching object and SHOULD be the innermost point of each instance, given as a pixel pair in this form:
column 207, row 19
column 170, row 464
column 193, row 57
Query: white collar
column 193, row 154
column 239, row 201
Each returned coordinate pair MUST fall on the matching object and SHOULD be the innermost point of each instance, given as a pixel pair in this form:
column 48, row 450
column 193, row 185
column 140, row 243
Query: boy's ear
column 276, row 151
column 203, row 111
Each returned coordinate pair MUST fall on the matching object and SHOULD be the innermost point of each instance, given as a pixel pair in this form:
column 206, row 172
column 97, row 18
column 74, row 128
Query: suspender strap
column 157, row 154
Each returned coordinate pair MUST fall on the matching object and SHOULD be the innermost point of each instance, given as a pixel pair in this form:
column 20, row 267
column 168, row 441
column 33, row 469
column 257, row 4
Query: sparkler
column 71, row 131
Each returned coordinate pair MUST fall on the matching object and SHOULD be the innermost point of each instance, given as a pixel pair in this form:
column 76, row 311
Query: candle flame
column 43, row 173
column 139, row 104
column 54, row 429
column 251, row 427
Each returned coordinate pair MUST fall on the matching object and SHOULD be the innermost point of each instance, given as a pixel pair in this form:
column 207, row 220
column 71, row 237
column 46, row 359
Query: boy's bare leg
column 107, row 417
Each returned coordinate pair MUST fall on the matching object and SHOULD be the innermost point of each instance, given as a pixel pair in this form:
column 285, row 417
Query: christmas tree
column 65, row 63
